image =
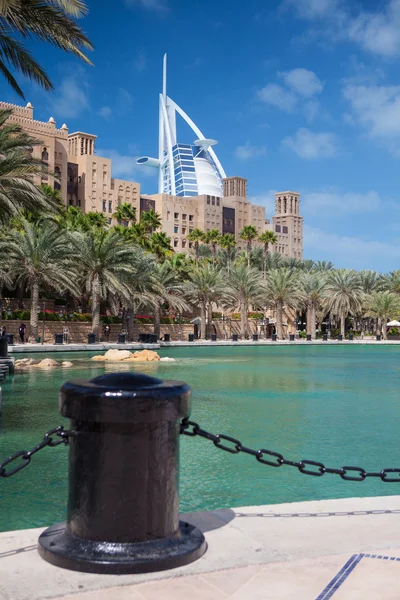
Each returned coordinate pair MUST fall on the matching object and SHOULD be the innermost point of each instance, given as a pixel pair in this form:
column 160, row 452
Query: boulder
column 47, row 362
column 99, row 357
column 144, row 356
column 117, row 354
column 167, row 359
column 66, row 363
column 25, row 362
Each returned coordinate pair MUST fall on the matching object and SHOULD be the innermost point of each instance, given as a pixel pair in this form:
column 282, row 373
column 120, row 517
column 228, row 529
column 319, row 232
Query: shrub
column 302, row 334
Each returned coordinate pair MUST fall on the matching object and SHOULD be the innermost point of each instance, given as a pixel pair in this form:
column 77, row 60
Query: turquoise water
column 338, row 405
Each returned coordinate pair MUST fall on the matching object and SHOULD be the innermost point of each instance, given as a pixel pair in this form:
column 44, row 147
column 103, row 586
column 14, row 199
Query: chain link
column 25, row 456
column 275, row 459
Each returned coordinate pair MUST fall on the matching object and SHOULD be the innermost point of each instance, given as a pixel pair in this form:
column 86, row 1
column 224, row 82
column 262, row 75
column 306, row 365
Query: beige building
column 180, row 215
column 85, row 180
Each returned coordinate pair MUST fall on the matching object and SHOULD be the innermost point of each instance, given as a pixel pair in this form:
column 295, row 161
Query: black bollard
column 123, row 502
column 3, row 347
column 291, row 337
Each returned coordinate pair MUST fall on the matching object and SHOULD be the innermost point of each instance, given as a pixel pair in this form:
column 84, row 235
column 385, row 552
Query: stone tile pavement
column 346, row 549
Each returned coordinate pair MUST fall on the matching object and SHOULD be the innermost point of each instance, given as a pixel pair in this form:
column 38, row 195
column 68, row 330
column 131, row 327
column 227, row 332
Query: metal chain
column 25, row 456
column 307, row 467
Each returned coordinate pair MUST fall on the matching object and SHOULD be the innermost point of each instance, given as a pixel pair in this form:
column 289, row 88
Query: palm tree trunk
column 34, row 322
column 313, row 321
column 308, row 318
column 228, row 259
column 342, row 324
column 248, row 252
column 243, row 318
column 203, row 314
column 279, row 320
column 213, row 251
column 265, row 253
column 209, row 330
column 196, row 253
column 384, row 328
column 157, row 320
column 96, row 306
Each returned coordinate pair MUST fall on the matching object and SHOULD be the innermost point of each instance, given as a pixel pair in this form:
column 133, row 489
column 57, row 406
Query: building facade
column 85, row 180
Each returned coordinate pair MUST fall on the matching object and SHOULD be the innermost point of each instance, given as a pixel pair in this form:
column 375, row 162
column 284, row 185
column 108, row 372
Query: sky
column 301, row 95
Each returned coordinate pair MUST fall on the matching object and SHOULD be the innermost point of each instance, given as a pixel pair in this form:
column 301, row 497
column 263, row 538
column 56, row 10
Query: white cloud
column 376, row 32
column 267, row 200
column 140, row 62
column 277, row 96
column 159, row 6
column 329, row 203
column 105, row 112
column 310, row 145
column 71, row 98
column 302, row 81
column 350, row 252
column 124, row 166
column 377, row 109
column 248, row 151
column 311, row 9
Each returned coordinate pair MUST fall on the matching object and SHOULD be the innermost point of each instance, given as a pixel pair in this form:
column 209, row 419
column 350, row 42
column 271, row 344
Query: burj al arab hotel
column 184, row 169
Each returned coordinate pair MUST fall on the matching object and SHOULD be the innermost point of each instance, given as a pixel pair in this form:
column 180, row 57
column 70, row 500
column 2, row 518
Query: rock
column 144, row 356
column 117, row 355
column 47, row 362
column 66, row 363
column 167, row 359
column 25, row 362
column 99, row 357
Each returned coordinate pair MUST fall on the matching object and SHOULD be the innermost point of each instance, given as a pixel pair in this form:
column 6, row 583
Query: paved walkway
column 346, row 549
column 27, row 348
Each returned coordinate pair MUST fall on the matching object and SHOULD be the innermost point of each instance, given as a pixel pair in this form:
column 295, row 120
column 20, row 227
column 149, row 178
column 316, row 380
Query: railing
column 123, row 441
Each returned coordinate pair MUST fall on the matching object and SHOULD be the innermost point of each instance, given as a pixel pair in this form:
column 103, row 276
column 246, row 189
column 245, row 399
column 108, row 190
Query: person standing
column 3, row 331
column 65, row 334
column 22, row 328
column 107, row 332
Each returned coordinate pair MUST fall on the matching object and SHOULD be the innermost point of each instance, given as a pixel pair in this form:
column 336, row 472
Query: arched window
column 45, row 155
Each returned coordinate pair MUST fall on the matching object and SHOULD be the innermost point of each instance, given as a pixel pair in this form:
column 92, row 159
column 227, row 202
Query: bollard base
column 58, row 547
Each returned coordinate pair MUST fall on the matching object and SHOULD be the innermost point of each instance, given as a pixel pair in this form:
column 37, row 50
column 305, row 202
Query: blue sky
column 301, row 94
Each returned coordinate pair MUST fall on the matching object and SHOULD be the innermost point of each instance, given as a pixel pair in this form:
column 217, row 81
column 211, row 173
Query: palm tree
column 150, row 220
column 323, row 265
column 168, row 289
column 267, row 238
column 312, row 285
column 244, row 287
column 382, row 306
column 228, row 243
column 125, row 213
column 41, row 255
column 17, row 171
column 344, row 294
column 391, row 282
column 213, row 238
column 51, row 21
column 204, row 285
column 282, row 290
column 108, row 262
column 249, row 233
column 196, row 236
column 160, row 244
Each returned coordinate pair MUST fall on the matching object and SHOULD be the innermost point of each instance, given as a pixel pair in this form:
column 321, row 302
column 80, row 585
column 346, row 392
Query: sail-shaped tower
column 184, row 169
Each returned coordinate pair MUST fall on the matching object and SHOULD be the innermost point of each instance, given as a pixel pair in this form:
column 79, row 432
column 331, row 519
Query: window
column 184, row 217
column 175, row 243
column 217, row 201
column 208, row 199
column 213, row 200
column 104, row 206
column 183, row 243
column 176, row 215
column 190, row 217
column 183, row 230
column 284, row 229
column 190, row 244
column 190, row 229
column 45, row 155
column 110, row 206
column 277, row 228
column 176, row 229
column 79, row 203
